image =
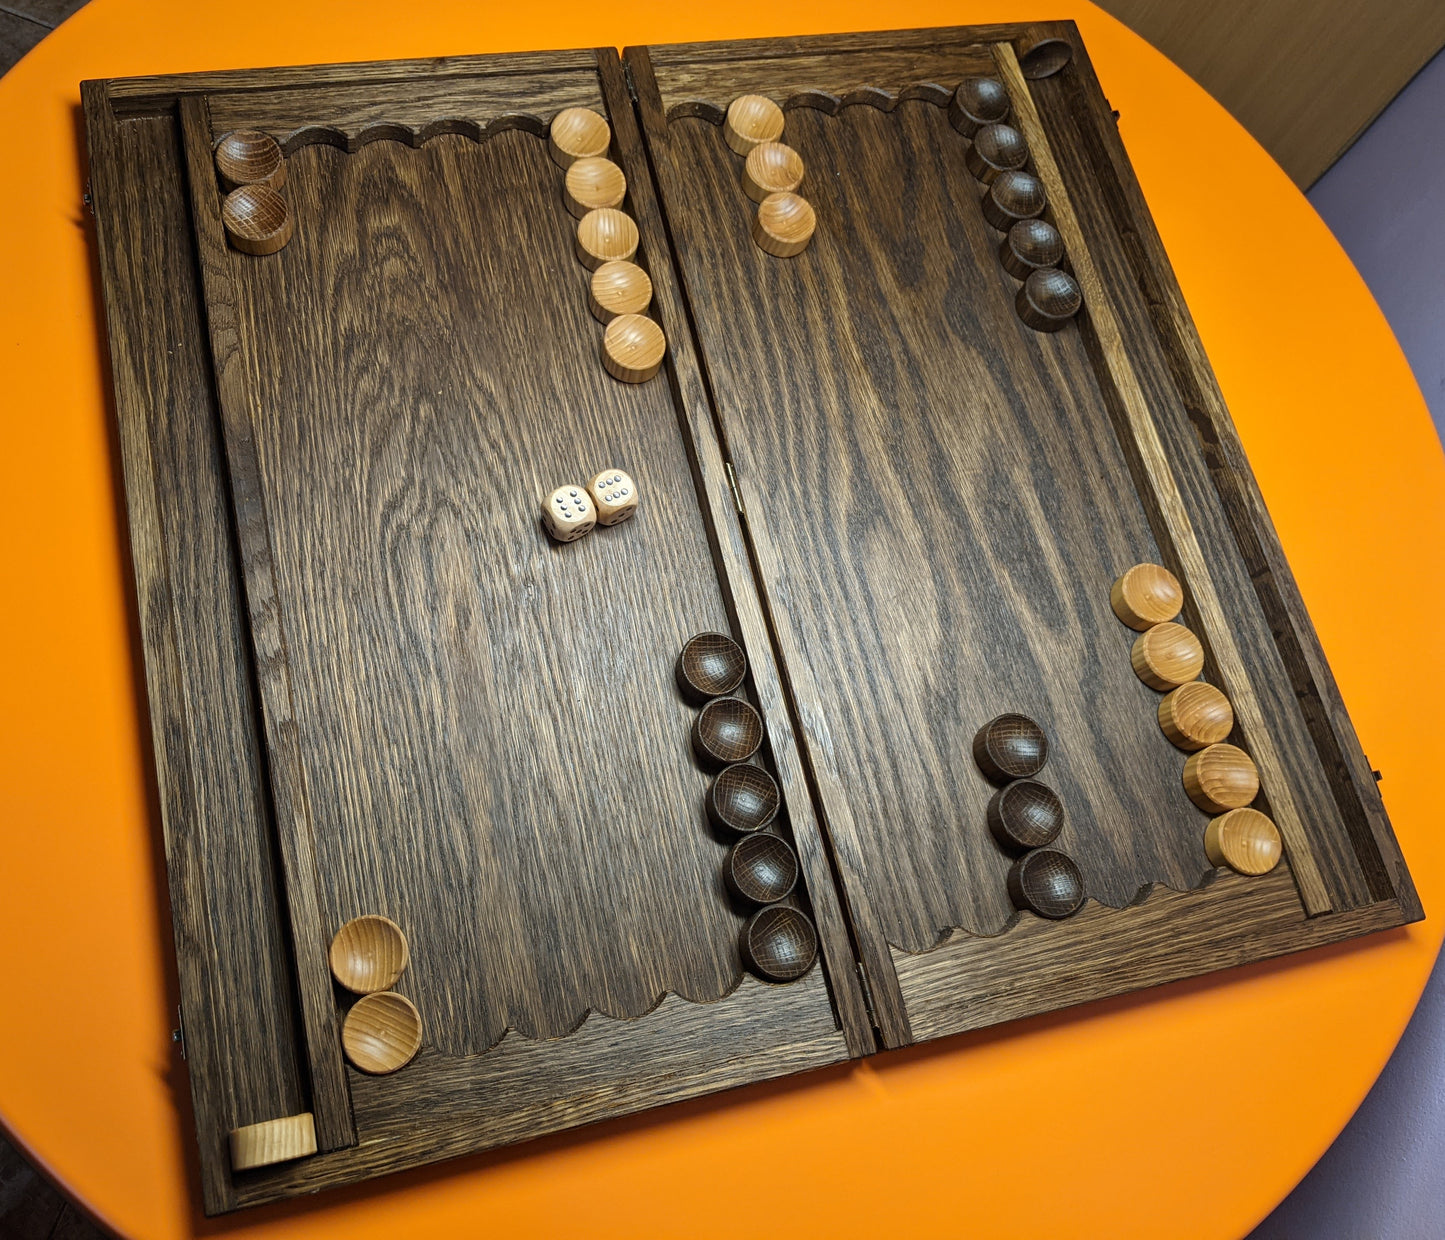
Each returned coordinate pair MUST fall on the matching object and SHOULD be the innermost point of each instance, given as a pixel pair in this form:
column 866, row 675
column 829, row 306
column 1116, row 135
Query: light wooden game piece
column 784, row 225
column 633, row 348
column 614, row 495
column 1245, row 840
column 381, row 1033
column 752, row 119
column 1010, row 747
column 1167, row 656
column 996, row 148
column 257, row 219
column 977, row 102
column 1146, row 595
column 568, row 513
column 1046, row 882
column 1013, row 196
column 249, row 157
column 1048, row 300
column 368, row 954
column 1030, row 246
column 1195, row 715
column 273, row 1141
column 591, row 183
column 578, row 133
column 1221, row 777
column 605, row 235
column 771, row 168
column 619, row 287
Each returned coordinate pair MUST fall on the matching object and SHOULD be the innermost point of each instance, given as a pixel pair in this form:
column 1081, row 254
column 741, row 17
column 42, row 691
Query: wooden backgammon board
column 665, row 571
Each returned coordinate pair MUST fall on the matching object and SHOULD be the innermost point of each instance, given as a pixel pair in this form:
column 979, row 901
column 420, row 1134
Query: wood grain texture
column 242, row 1061
column 273, row 1141
column 1035, row 966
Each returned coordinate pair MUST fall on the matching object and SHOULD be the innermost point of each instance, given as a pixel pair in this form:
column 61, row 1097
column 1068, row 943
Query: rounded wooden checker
column 1025, row 814
column 977, row 102
column 1195, row 715
column 743, row 798
column 1030, row 246
column 1167, row 656
column 1046, row 882
column 760, row 869
column 1220, row 778
column 996, row 148
column 710, row 665
column 1045, row 58
column 368, row 954
column 1013, row 196
column 727, row 730
column 778, row 943
column 771, row 168
column 381, row 1033
column 752, row 119
column 784, row 225
column 257, row 219
column 1010, row 747
column 1245, row 840
column 633, row 348
column 250, row 157
column 1146, row 595
column 1049, row 299
column 578, row 133
column 605, row 235
column 273, row 1141
column 593, row 182
column 619, row 287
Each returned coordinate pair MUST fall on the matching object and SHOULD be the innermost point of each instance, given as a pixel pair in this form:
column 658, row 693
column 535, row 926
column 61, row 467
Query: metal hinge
column 627, row 76
column 178, row 1034
column 733, row 485
column 867, row 994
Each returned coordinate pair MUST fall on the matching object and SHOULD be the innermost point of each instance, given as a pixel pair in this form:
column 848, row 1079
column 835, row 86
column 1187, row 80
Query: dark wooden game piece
column 1146, row 595
column 273, row 1141
column 726, row 730
column 1195, row 715
column 619, row 287
column 1167, row 656
column 1046, row 882
column 1045, row 58
column 1245, row 840
column 593, row 183
column 771, row 168
column 977, row 102
column 633, row 347
column 996, row 148
column 752, row 119
column 1025, row 814
column 605, row 235
column 382, row 1033
column 784, row 225
column 710, row 665
column 760, row 868
column 249, row 157
column 257, row 219
column 1010, row 747
column 1048, row 299
column 1030, row 246
column 1220, row 778
column 743, row 798
column 778, row 943
column 1013, row 196
column 578, row 133
column 368, row 954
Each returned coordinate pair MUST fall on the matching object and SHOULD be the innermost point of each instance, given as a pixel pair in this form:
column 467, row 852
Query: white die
column 568, row 513
column 615, row 495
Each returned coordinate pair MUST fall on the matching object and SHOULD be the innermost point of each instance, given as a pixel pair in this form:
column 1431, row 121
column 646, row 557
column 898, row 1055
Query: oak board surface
column 377, row 686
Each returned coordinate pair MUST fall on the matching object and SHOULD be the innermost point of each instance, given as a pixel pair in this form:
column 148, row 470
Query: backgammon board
column 455, row 397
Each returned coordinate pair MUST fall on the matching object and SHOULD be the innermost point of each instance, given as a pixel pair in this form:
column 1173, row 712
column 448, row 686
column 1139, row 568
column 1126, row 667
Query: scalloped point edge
column 825, row 101
column 408, row 135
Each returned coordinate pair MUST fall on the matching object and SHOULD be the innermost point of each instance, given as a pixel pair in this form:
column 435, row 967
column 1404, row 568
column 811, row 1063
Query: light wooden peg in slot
column 273, row 1141
column 784, row 225
column 614, row 495
column 633, row 348
column 593, row 182
column 1167, row 656
column 381, row 1033
column 1013, row 196
column 977, row 102
column 1195, row 715
column 1245, row 840
column 1146, row 595
column 1048, row 300
column 752, row 119
column 368, row 954
column 996, row 148
column 257, row 219
column 578, row 133
column 1220, row 778
column 771, row 168
column 619, row 287
column 605, row 235
column 249, row 157
column 1031, row 245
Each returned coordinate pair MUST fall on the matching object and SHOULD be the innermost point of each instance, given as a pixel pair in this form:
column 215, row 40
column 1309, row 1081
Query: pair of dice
column 572, row 511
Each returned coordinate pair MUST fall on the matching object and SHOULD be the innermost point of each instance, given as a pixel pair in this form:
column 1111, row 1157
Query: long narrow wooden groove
column 1313, row 892
column 330, row 1096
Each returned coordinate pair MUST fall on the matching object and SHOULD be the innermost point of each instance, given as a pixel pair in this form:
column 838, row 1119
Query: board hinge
column 733, row 486
column 627, row 77
column 178, row 1034
column 867, row 995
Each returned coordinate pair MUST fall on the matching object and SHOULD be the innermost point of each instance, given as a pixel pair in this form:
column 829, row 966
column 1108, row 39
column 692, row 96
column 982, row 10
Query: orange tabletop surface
column 1186, row 1111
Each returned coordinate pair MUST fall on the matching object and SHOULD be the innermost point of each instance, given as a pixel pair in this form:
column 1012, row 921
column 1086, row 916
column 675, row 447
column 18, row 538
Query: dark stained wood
column 709, row 665
column 1025, row 814
column 760, row 869
column 1046, row 882
column 1009, row 747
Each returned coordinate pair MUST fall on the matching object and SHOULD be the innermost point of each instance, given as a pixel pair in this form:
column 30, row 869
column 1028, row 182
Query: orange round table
column 1187, row 1111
